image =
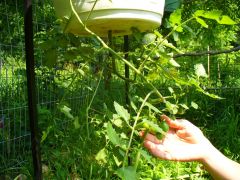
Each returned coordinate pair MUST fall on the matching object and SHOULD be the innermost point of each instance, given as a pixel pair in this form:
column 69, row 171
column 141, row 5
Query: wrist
column 210, row 154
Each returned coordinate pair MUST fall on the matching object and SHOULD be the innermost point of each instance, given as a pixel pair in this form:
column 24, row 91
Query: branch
column 208, row 52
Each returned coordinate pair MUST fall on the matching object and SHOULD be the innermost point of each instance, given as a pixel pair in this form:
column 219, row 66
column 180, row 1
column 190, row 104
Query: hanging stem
column 90, row 104
column 134, row 125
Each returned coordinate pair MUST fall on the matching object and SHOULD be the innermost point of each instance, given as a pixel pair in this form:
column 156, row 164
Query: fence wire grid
column 15, row 142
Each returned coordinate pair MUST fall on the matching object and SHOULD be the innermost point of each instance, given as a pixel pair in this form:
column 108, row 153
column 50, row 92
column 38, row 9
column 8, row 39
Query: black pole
column 32, row 105
column 127, row 100
column 126, row 49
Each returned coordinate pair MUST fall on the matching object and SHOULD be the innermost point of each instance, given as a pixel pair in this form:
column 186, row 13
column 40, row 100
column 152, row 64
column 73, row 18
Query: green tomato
column 160, row 136
column 164, row 126
column 145, row 125
column 142, row 125
column 152, row 130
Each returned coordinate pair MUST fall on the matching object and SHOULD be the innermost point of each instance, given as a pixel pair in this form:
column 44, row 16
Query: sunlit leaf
column 202, row 22
column 199, row 13
column 173, row 63
column 194, row 105
column 214, row 15
column 118, row 163
column 171, row 90
column 118, row 122
column 176, row 20
column 101, row 156
column 226, row 20
column 184, row 106
column 200, row 70
column 176, row 17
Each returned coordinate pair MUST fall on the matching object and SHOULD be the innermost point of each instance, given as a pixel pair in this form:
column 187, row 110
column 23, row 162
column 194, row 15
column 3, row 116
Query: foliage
column 101, row 140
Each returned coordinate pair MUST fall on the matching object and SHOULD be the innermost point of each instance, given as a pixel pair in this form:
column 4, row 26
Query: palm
column 183, row 142
column 175, row 148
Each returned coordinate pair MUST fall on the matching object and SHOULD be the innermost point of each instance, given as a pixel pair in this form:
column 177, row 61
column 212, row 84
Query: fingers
column 182, row 133
column 157, row 150
column 177, row 124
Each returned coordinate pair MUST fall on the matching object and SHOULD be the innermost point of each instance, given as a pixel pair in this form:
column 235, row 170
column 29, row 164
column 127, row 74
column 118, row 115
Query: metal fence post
column 32, row 104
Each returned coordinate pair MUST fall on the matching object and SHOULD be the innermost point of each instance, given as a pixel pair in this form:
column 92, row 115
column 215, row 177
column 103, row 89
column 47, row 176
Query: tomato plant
column 151, row 60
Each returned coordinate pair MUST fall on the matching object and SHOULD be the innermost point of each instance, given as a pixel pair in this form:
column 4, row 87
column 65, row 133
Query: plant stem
column 134, row 125
column 90, row 104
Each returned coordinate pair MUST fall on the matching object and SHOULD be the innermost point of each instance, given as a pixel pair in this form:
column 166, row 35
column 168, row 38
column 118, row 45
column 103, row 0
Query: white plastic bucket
column 119, row 16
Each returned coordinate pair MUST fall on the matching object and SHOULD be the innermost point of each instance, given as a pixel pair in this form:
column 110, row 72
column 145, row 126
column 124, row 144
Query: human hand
column 183, row 142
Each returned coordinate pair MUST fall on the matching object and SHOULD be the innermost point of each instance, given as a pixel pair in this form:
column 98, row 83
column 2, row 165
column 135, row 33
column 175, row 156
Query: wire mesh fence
column 15, row 142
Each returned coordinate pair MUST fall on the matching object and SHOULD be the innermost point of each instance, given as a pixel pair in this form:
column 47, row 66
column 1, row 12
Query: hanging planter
column 119, row 16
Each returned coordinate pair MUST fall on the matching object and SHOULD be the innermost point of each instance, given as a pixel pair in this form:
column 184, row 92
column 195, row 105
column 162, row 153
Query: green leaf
column 194, row 105
column 176, row 20
column 202, row 22
column 112, row 135
column 118, row 122
column 214, row 15
column 200, row 70
column 101, row 156
column 148, row 38
column 66, row 110
column 173, row 63
column 175, row 36
column 172, row 108
column 176, row 17
column 184, row 106
column 226, row 20
column 199, row 13
column 127, row 173
column 118, row 163
column 146, row 155
column 45, row 133
column 171, row 90
column 122, row 112
column 76, row 123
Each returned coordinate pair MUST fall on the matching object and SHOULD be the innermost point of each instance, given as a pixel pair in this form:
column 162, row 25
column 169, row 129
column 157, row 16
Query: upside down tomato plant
column 152, row 65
